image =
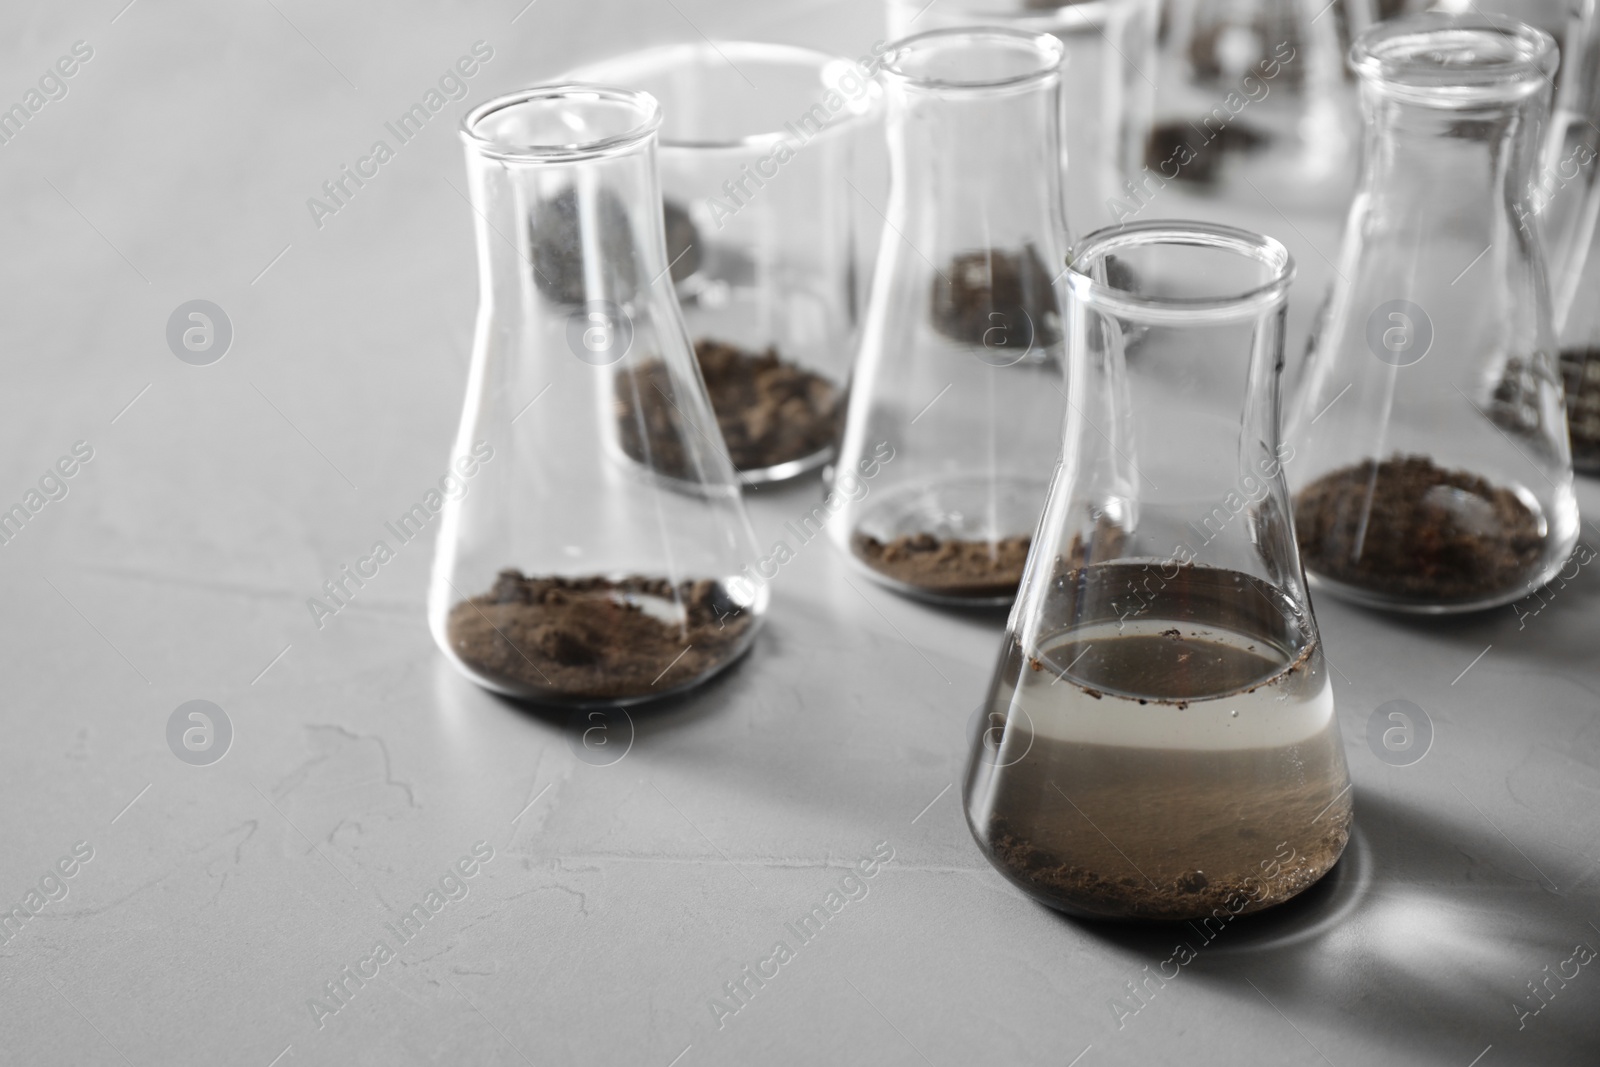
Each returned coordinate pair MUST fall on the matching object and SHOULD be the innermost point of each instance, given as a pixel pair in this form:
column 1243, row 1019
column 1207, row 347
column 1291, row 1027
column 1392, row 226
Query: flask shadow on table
column 1548, row 627
column 1433, row 925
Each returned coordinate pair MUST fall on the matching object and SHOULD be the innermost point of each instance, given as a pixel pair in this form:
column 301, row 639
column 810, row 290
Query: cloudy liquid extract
column 1163, row 765
column 1158, row 739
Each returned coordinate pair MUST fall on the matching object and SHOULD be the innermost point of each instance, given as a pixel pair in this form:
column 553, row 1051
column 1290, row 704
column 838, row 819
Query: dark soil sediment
column 770, row 411
column 1083, row 884
column 1001, row 300
column 948, row 566
column 1408, row 528
column 1580, row 372
column 590, row 639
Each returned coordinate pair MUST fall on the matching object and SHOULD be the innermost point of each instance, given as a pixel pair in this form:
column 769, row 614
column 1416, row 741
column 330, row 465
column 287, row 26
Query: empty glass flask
column 1432, row 470
column 1238, row 102
column 593, row 534
column 1158, row 740
column 957, row 390
column 757, row 151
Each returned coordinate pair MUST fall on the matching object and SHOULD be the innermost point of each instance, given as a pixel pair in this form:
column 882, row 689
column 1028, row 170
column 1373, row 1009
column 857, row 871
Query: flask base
column 1195, row 897
column 1178, row 760
column 581, row 642
column 1407, row 535
column 962, row 541
column 778, row 420
column 945, row 570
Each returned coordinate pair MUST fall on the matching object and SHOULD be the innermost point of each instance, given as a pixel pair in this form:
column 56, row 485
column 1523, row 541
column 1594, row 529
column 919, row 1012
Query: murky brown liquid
column 1145, row 767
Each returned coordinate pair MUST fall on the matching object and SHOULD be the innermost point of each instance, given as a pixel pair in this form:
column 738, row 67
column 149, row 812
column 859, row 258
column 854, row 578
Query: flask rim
column 1456, row 58
column 1165, row 310
column 648, row 112
column 1077, row 17
column 668, row 58
column 1049, row 49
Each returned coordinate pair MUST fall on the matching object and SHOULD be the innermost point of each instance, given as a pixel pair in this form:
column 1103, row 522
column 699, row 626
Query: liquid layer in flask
column 1173, row 755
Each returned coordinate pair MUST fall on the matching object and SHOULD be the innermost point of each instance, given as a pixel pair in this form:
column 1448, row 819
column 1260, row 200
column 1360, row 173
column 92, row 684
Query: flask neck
column 1447, row 163
column 975, row 169
column 1454, row 108
column 558, row 235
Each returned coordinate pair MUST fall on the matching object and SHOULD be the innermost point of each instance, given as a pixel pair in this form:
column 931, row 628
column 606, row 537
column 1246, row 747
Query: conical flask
column 590, row 552
column 1567, row 185
column 1565, row 180
column 1238, row 105
column 1159, row 740
column 1432, row 470
column 1580, row 341
column 1567, row 199
column 758, row 148
column 1234, row 111
column 1090, row 72
column 957, row 388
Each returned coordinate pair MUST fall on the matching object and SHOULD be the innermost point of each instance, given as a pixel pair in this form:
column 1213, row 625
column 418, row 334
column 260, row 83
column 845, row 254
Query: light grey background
column 620, row 898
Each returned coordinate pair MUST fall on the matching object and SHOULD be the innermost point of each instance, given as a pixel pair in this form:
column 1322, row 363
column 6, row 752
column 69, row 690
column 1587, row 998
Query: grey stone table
column 584, row 913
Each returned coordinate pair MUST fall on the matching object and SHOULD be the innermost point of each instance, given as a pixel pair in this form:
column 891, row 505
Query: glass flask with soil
column 1432, row 471
column 1567, row 199
column 569, row 569
column 959, row 374
column 1565, row 178
column 1158, row 741
column 1090, row 73
column 1235, row 111
column 1580, row 346
column 758, row 145
column 1232, row 102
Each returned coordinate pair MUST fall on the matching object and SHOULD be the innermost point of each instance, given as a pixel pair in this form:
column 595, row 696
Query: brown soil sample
column 577, row 639
column 1409, row 529
column 770, row 411
column 556, row 237
column 1000, row 300
column 1517, row 403
column 948, row 566
column 1162, row 897
column 1170, row 821
column 1162, row 155
column 1217, row 34
column 1580, row 370
column 683, row 241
